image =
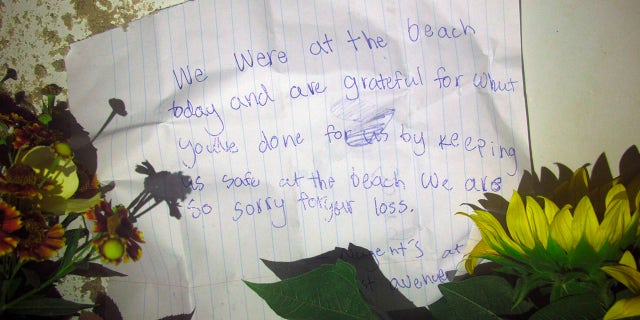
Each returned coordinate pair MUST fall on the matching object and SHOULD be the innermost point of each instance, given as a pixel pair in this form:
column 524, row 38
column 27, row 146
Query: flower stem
column 63, row 271
column 57, row 276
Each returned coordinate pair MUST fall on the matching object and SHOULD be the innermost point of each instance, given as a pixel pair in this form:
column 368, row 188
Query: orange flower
column 20, row 181
column 35, row 134
column 9, row 223
column 39, row 241
column 118, row 240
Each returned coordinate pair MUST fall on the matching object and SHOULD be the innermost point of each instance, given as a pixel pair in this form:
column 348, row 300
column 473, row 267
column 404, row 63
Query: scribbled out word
column 364, row 122
column 358, row 137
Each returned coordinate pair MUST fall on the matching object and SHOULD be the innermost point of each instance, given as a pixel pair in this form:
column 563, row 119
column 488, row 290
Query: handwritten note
column 303, row 126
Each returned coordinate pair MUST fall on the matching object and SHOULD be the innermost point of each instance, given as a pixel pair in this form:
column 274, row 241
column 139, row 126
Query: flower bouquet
column 562, row 247
column 55, row 218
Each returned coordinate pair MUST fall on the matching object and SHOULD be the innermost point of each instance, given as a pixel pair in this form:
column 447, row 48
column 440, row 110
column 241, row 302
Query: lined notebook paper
column 298, row 127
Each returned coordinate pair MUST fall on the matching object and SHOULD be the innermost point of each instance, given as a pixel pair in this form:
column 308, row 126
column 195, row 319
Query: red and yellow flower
column 118, row 239
column 39, row 241
column 9, row 223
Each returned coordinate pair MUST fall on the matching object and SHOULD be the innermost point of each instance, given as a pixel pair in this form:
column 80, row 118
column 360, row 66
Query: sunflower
column 627, row 273
column 118, row 239
column 548, row 245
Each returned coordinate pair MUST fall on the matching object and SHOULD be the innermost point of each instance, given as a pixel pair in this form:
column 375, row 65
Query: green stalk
column 63, row 271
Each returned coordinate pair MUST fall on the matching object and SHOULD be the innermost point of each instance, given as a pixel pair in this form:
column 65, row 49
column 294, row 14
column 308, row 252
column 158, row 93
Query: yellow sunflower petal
column 517, row 222
column 560, row 229
column 617, row 192
column 550, row 209
column 612, row 227
column 492, row 232
column 626, row 275
column 482, row 249
column 617, row 217
column 585, row 223
column 537, row 221
column 624, row 308
column 628, row 260
column 637, row 202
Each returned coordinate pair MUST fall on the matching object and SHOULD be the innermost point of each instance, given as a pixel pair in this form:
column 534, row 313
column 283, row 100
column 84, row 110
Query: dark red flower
column 118, row 239
column 38, row 240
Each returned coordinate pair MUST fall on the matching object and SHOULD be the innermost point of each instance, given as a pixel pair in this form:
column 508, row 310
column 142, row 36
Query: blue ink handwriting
column 186, row 75
column 262, row 205
column 262, row 58
column 375, row 179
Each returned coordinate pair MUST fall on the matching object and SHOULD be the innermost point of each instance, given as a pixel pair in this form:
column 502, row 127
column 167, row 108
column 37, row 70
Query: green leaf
column 482, row 297
column 584, row 306
column 441, row 309
column 45, row 118
column 91, row 269
column 10, row 287
column 379, row 293
column 47, row 307
column 525, row 284
column 328, row 292
column 69, row 219
column 574, row 285
column 72, row 236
